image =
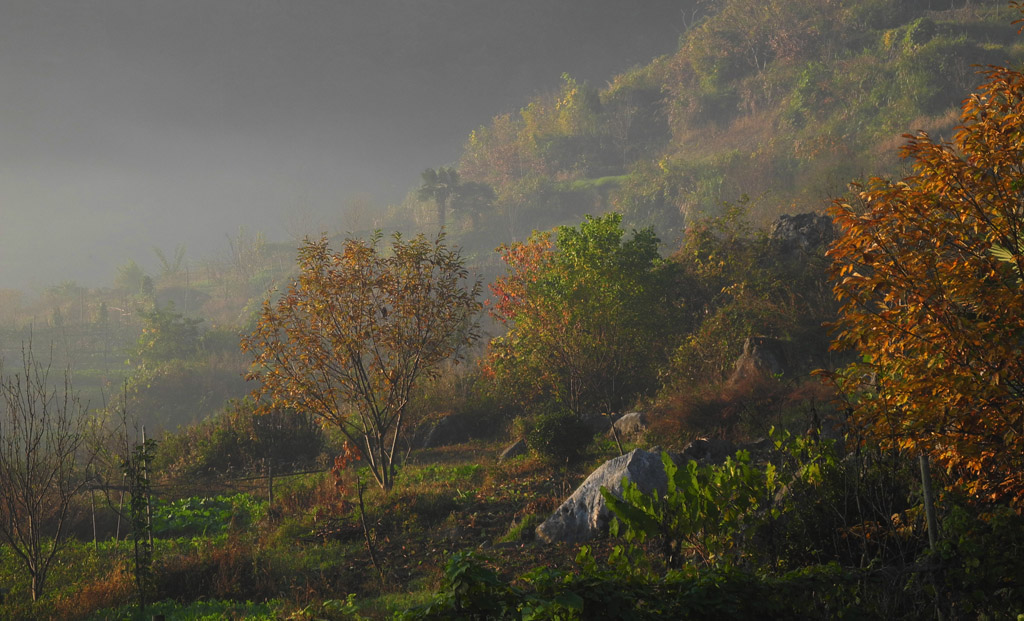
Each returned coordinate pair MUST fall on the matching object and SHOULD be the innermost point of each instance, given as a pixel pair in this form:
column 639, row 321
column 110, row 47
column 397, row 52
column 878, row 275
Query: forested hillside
column 784, row 102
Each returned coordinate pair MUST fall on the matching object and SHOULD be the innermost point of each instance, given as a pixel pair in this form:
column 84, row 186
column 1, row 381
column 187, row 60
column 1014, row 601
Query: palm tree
column 439, row 185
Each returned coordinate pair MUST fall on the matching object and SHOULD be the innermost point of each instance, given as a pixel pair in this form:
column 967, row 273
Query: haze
column 131, row 124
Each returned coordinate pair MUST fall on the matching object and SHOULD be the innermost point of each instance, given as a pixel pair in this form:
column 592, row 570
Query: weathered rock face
column 514, row 450
column 762, row 357
column 631, row 425
column 584, row 515
column 803, row 231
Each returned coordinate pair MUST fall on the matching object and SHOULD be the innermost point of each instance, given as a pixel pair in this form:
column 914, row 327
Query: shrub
column 240, row 439
column 557, row 436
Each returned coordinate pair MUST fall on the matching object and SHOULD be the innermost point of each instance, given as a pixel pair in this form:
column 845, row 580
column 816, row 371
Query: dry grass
column 115, row 588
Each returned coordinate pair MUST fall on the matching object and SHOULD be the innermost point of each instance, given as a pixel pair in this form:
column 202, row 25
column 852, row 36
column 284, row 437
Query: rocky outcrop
column 762, row 357
column 630, row 426
column 802, row 232
column 585, row 515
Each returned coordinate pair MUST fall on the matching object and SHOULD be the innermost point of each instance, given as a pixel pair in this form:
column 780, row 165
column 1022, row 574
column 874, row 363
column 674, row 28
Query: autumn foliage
column 928, row 273
column 356, row 330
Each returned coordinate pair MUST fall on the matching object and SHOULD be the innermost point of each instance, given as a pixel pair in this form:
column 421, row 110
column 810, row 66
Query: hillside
column 785, row 102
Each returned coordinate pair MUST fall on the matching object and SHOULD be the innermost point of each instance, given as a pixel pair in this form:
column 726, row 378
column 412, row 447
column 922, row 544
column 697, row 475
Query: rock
column 584, row 515
column 706, row 451
column 802, row 232
column 630, row 425
column 514, row 450
column 762, row 357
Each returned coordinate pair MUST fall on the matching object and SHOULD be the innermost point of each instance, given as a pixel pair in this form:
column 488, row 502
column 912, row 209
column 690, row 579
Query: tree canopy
column 927, row 273
column 582, row 313
column 356, row 330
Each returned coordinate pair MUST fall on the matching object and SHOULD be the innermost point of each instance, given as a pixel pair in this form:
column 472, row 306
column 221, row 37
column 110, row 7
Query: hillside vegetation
column 785, row 102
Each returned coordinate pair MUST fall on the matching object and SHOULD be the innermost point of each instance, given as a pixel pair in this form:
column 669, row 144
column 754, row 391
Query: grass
column 310, row 551
column 206, row 610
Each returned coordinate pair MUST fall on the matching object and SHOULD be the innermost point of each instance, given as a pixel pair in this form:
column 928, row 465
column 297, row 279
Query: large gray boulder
column 802, row 232
column 585, row 515
column 630, row 426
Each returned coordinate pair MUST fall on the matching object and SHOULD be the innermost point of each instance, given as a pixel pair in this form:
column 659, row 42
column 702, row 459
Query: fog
column 134, row 124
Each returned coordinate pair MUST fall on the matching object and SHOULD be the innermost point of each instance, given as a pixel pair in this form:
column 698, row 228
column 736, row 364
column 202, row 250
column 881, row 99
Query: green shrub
column 239, row 439
column 703, row 514
column 206, row 516
column 983, row 553
column 557, row 436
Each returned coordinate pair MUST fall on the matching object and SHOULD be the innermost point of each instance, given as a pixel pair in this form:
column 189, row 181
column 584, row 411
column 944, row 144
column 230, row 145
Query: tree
column 356, row 330
column 167, row 335
column 43, row 458
column 583, row 316
column 927, row 276
column 439, row 186
column 474, row 199
column 170, row 267
column 130, row 277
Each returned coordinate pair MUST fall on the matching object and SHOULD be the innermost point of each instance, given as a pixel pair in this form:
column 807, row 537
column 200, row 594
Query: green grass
column 451, row 475
column 210, row 610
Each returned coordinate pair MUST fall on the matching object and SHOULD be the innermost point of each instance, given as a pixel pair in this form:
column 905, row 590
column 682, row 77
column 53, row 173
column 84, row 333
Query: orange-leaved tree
column 927, row 273
column 356, row 330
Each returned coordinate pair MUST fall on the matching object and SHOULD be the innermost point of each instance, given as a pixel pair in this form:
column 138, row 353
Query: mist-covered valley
column 137, row 126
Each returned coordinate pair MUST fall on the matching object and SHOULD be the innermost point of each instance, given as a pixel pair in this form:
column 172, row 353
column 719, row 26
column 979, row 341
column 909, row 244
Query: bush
column 239, row 439
column 557, row 436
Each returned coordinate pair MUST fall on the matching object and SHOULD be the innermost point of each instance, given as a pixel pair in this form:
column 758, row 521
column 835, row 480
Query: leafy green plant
column 203, row 516
column 329, row 610
column 983, row 553
column 704, row 511
column 136, row 468
column 586, row 316
column 469, row 589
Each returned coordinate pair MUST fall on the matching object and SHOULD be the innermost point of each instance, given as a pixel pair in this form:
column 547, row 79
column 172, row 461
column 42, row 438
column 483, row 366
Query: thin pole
column 929, row 502
column 120, row 507
column 933, row 526
column 92, row 499
column 270, row 483
column 149, row 494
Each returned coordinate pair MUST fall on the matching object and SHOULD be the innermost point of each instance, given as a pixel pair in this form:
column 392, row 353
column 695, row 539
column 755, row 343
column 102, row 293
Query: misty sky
column 129, row 124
